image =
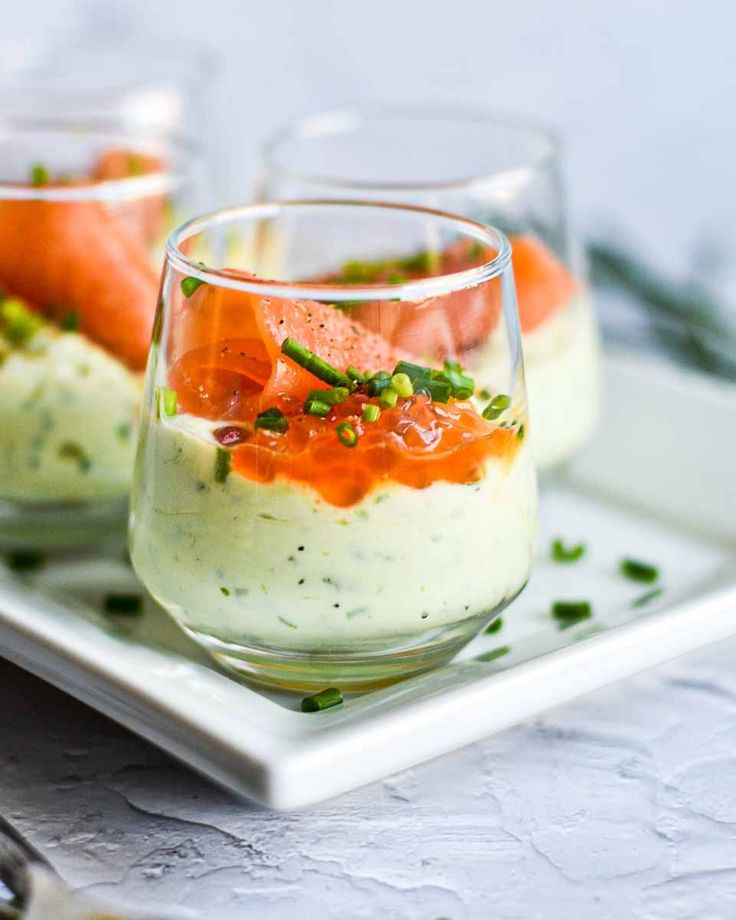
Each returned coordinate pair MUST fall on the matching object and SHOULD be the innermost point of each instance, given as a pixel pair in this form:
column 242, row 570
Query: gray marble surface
column 622, row 805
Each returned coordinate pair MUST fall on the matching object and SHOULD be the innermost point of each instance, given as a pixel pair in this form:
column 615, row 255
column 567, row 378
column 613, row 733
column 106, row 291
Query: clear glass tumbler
column 499, row 171
column 324, row 493
column 84, row 216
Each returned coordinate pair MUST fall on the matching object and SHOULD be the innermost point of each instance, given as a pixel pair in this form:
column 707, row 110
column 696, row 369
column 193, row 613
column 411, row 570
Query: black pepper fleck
column 300, row 548
column 301, row 581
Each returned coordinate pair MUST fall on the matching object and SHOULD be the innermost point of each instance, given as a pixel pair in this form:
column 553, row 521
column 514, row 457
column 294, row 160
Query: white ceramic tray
column 658, row 483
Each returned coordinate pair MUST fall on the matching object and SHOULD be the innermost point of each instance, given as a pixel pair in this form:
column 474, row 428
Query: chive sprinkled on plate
column 24, row 561
column 317, row 366
column 647, row 598
column 222, row 464
column 347, row 435
column 496, row 406
column 560, row 552
column 272, row 419
column 637, row 570
column 127, row 604
column 325, row 699
column 371, row 412
column 39, row 175
column 494, row 627
column 494, row 653
column 568, row 613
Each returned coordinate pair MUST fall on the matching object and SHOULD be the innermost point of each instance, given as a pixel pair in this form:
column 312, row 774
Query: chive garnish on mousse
column 494, row 627
column 371, row 412
column 222, row 464
column 317, row 366
column 496, row 406
column 647, row 598
column 128, row 604
column 272, row 420
column 39, row 175
column 325, row 699
column 24, row 561
column 389, row 398
column 402, row 384
column 562, row 553
column 165, row 402
column 190, row 284
column 18, row 323
column 568, row 613
column 70, row 321
column 637, row 570
column 347, row 435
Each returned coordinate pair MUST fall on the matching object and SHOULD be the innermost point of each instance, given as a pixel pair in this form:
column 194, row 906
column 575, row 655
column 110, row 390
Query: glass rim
column 124, row 189
column 342, row 120
column 412, row 290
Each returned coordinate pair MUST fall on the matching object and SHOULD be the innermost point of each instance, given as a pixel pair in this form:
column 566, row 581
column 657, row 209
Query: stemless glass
column 322, row 493
column 84, row 216
column 503, row 172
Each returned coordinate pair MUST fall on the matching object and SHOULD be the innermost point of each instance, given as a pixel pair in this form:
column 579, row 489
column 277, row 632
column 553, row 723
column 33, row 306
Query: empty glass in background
column 156, row 88
column 344, row 524
column 84, row 215
column 503, row 172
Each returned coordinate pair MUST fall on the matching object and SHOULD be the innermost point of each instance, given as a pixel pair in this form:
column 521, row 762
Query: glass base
column 60, row 525
column 348, row 670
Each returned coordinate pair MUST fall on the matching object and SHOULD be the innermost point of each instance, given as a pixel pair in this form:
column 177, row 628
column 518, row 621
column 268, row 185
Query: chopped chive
column 494, row 653
column 39, row 175
column 402, row 384
column 347, row 435
column 371, row 412
column 333, row 397
column 317, row 366
column 325, row 699
column 24, row 561
column 646, row 598
column 484, row 393
column 70, row 450
column 70, row 322
column 318, row 408
column 18, row 323
column 475, row 250
column 222, row 464
column 494, row 627
column 562, row 553
column 389, row 398
column 378, row 383
column 355, row 375
column 637, row 570
column 422, row 262
column 439, row 391
column 568, row 613
column 395, row 278
column 413, row 371
column 225, row 592
column 190, row 284
column 123, row 431
column 129, row 604
column 463, row 386
column 520, row 432
column 166, row 401
column 135, row 164
column 272, row 419
column 496, row 406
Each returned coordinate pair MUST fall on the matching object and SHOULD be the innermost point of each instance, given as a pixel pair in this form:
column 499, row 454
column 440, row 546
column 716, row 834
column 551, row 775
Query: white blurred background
column 643, row 91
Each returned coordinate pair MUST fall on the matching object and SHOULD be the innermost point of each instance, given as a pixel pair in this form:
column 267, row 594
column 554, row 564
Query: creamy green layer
column 68, row 413
column 274, row 565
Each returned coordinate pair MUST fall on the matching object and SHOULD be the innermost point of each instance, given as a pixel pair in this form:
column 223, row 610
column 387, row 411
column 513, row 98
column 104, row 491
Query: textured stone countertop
column 619, row 806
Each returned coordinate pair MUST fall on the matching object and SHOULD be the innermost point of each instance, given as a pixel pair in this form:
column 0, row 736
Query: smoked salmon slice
column 543, row 283
column 144, row 217
column 226, row 350
column 71, row 257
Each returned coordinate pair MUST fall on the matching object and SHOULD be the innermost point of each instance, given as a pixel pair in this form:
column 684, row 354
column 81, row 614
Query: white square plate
column 659, row 483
